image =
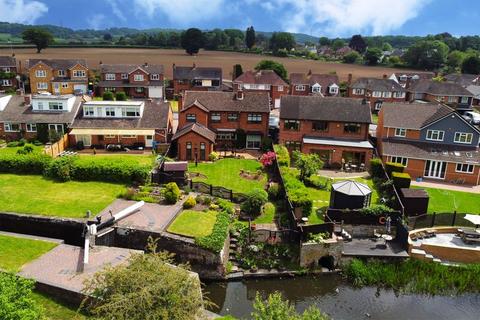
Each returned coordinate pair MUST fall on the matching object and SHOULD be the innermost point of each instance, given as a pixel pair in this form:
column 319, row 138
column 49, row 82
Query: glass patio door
column 435, row 169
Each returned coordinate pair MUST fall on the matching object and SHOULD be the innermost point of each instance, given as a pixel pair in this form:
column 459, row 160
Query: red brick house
column 314, row 84
column 377, row 91
column 196, row 78
column 405, row 79
column 220, row 121
column 137, row 81
column 432, row 140
column 135, row 123
column 262, row 81
column 335, row 128
column 8, row 73
column 33, row 117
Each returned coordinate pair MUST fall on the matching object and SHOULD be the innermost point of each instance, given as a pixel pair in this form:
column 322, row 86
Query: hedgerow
column 215, row 241
column 24, row 163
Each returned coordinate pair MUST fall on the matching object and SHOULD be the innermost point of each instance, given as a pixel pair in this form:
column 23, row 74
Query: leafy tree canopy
column 427, row 54
column 372, row 56
column 16, row 300
column 351, row 57
column 250, row 37
column 39, row 37
column 282, row 40
column 192, row 40
column 471, row 65
column 357, row 43
column 272, row 65
column 338, row 43
column 308, row 164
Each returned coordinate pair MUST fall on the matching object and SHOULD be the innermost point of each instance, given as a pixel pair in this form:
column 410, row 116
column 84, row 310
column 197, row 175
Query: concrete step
column 437, row 260
column 235, row 240
column 233, row 246
column 429, row 256
column 418, row 251
column 234, row 269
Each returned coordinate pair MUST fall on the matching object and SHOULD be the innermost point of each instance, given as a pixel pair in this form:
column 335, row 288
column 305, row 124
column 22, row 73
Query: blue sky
column 331, row 18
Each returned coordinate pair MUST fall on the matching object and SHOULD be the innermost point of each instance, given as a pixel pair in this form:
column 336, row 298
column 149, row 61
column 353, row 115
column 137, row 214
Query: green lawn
column 55, row 310
column 374, row 118
column 13, row 150
column 193, row 224
column 226, row 173
column 448, row 201
column 268, row 214
column 143, row 159
column 37, row 195
column 15, row 251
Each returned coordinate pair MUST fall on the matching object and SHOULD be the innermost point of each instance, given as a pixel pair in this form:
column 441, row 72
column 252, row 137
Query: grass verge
column 447, row 201
column 193, row 224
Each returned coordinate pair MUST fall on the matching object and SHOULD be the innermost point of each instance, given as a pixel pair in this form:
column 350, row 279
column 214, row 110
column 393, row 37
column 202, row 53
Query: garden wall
column 69, row 230
column 311, row 253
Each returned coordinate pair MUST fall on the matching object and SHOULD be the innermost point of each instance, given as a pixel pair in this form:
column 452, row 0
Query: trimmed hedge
column 297, row 191
column 376, row 169
column 189, row 203
column 401, row 179
column 24, row 163
column 215, row 241
column 283, row 157
column 391, row 167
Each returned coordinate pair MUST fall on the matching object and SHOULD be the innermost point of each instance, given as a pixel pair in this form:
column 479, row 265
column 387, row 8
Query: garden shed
column 171, row 172
column 415, row 201
column 349, row 194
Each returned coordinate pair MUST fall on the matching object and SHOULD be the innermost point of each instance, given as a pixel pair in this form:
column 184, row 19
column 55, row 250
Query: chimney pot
column 27, row 99
column 240, row 94
column 349, row 81
column 174, row 66
column 385, row 76
column 194, row 65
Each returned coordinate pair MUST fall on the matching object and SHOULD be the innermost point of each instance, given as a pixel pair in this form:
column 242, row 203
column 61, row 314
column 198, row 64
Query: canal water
column 340, row 300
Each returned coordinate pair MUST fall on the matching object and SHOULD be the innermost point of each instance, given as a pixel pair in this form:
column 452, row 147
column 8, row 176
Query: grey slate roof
column 439, row 88
column 57, row 64
column 7, row 61
column 324, row 109
column 127, row 68
column 426, row 151
column 192, row 73
column 17, row 111
column 412, row 115
column 462, row 79
column 155, row 116
column 198, row 129
column 474, row 90
column 261, row 77
column 375, row 84
column 226, row 101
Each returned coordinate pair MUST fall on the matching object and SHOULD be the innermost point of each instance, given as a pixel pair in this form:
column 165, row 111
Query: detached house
column 57, row 76
column 220, row 120
column 35, row 117
column 196, row 78
column 377, row 91
column 262, row 81
column 8, row 73
column 334, row 128
column 431, row 140
column 445, row 92
column 137, row 81
column 314, row 84
column 137, row 123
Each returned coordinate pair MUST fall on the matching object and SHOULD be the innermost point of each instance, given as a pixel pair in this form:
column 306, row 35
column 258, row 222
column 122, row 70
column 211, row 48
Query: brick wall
column 195, row 140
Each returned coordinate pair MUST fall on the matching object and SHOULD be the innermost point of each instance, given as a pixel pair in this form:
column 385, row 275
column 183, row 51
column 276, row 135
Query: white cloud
column 116, row 10
column 96, row 21
column 182, row 12
column 345, row 17
column 20, row 11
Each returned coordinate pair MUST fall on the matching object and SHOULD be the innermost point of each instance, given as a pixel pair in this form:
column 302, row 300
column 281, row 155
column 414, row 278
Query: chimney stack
column 349, row 81
column 173, row 66
column 309, row 72
column 27, row 99
column 408, row 82
column 194, row 65
column 385, row 76
column 180, row 102
column 145, row 64
column 240, row 94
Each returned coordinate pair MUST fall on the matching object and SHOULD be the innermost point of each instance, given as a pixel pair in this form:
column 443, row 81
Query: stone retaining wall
column 311, row 253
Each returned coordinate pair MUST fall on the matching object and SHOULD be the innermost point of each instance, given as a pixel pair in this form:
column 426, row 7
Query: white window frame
column 400, row 132
column 110, row 112
column 31, row 127
column 280, row 88
column 467, row 135
column 378, row 105
column 41, row 73
column 377, row 94
column 88, row 111
column 52, row 104
column 110, row 136
column 254, row 118
column 8, row 127
column 386, row 94
column 79, row 74
column 439, row 133
column 464, row 168
column 333, row 90
column 129, row 136
column 358, row 92
column 61, row 73
column 398, row 94
column 139, row 90
column 216, row 117
column 6, row 82
column 124, row 76
column 110, row 76
column 138, row 77
column 401, row 160
column 300, row 87
column 55, row 126
column 154, row 76
column 42, row 85
column 317, row 89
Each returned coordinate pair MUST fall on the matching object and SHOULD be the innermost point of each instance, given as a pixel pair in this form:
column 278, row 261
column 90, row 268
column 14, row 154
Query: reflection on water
column 340, row 300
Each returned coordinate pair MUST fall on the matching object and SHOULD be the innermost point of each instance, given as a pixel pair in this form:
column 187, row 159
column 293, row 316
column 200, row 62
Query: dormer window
column 403, row 78
column 155, row 76
column 138, row 77
column 61, row 73
column 124, row 76
column 333, row 89
column 55, row 106
column 79, row 74
column 435, row 135
column 463, row 137
column 191, row 117
column 376, row 94
column 88, row 111
column 110, row 76
column 316, row 88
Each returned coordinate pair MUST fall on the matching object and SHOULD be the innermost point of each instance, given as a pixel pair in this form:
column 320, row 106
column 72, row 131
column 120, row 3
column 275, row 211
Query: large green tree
column 324, row 41
column 282, row 40
column 308, row 164
column 351, row 57
column 455, row 59
column 357, row 43
column 41, row 38
column 337, row 44
column 427, row 54
column 192, row 40
column 372, row 56
column 272, row 65
column 471, row 65
column 148, row 287
column 250, row 37
column 16, row 299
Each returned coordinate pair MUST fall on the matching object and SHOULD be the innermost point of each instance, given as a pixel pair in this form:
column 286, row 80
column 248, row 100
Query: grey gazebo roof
column 351, row 188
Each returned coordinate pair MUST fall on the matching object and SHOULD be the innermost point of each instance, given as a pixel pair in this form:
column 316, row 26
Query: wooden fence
column 58, row 147
column 439, row 219
column 217, row 191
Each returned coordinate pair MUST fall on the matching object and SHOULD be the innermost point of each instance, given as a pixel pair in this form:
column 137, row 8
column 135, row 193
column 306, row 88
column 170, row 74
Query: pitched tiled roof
column 127, row 68
column 425, row 150
column 375, row 84
column 155, row 116
column 7, row 61
column 324, row 109
column 462, row 79
column 261, row 77
column 192, row 73
column 126, row 84
column 324, row 80
column 415, row 75
column 57, row 64
column 17, row 111
column 412, row 115
column 226, row 101
column 439, row 88
column 198, row 129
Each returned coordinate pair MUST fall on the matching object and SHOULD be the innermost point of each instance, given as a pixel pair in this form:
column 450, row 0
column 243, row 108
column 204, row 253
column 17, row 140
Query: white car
column 473, row 117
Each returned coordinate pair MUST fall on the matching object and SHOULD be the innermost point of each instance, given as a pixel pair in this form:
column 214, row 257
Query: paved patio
column 342, row 174
column 446, row 186
column 151, row 217
column 372, row 248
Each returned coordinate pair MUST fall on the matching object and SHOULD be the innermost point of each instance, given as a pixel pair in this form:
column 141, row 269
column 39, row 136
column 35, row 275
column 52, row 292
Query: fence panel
column 439, row 220
column 221, row 192
column 58, row 147
column 200, row 187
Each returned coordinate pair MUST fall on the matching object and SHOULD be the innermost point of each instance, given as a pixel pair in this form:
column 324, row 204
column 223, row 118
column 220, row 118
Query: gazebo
column 349, row 194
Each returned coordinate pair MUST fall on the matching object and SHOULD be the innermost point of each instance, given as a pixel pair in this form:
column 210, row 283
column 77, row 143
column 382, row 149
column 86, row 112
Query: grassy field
column 55, row 310
column 37, row 195
column 225, row 60
column 15, row 251
column 144, row 159
column 13, row 150
column 447, row 201
column 226, row 173
column 193, row 224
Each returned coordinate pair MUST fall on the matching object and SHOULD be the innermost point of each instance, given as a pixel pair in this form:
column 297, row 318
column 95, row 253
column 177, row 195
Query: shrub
column 171, row 193
column 376, row 210
column 17, row 301
column 283, row 157
column 401, row 179
column 121, row 96
column 28, row 148
column 12, row 144
column 108, row 96
column 268, row 209
column 61, row 169
column 317, row 181
column 32, row 163
column 273, row 191
column 376, row 169
column 226, row 206
column 216, row 239
column 128, row 194
column 266, row 144
column 297, row 191
column 393, row 167
column 97, row 169
column 80, row 145
column 267, row 158
column 189, row 203
column 37, row 143
column 21, row 142
column 213, row 156
column 256, row 198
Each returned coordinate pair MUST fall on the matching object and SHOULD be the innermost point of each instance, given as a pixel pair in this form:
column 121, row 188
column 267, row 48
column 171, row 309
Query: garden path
column 341, row 174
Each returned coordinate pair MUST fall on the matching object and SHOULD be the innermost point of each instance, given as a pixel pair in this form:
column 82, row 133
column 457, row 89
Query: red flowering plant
column 267, row 158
